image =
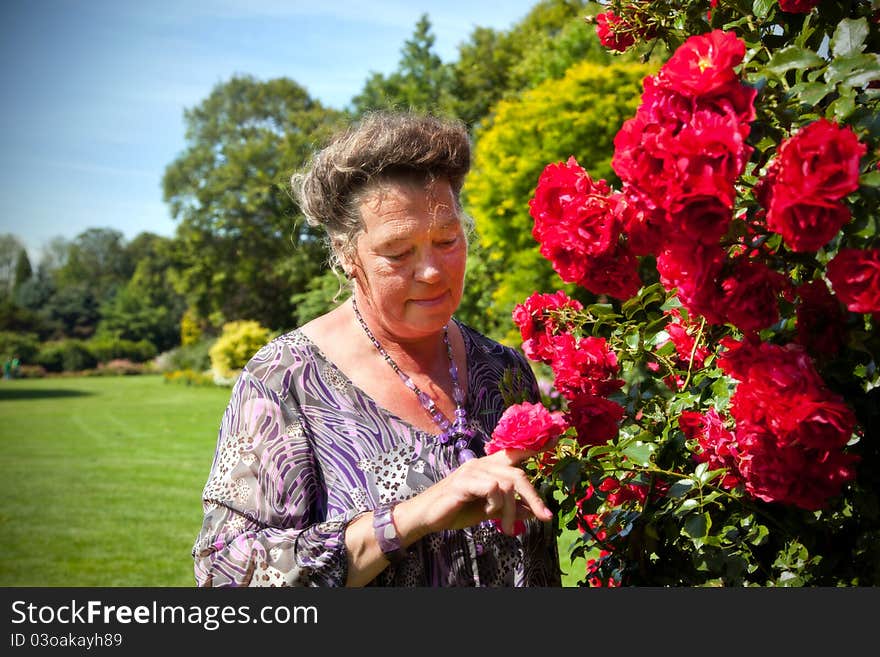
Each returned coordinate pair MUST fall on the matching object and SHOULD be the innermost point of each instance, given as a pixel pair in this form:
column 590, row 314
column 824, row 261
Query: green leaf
column 810, row 93
column 849, row 37
column 854, row 71
column 687, row 505
column 680, row 487
column 697, row 526
column 632, row 339
column 762, row 7
column 793, row 57
column 721, row 392
column 601, row 310
column 639, row 452
column 870, row 179
column 842, row 108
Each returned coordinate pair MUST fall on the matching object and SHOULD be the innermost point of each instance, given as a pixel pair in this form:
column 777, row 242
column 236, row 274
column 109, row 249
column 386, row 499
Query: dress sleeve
column 264, row 523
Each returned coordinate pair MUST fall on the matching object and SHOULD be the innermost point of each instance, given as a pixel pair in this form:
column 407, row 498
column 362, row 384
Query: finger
column 531, row 499
column 508, row 513
column 512, row 456
column 494, row 503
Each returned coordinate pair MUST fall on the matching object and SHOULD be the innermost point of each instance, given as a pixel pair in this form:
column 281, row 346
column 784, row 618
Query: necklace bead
column 458, row 428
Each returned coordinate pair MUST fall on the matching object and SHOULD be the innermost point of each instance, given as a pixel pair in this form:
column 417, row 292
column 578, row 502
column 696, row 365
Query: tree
column 422, row 82
column 30, row 311
column 242, row 249
column 147, row 307
column 10, row 248
column 494, row 65
column 97, row 259
column 578, row 113
column 23, row 269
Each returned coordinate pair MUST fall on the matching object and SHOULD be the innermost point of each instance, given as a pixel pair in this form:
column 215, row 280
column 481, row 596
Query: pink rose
column 526, row 426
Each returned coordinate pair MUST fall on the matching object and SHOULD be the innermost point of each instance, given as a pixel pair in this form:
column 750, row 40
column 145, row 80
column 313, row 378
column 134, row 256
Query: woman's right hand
column 490, row 487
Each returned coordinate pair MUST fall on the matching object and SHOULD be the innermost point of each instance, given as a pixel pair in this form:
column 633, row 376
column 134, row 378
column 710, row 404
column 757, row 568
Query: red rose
column 821, row 326
column 711, row 147
column 749, row 296
column 643, row 145
column 703, row 65
column 797, row 6
column 615, row 273
column 526, row 426
column 680, row 335
column 701, row 217
column 791, row 475
column 614, row 33
column 537, row 324
column 595, row 419
column 559, row 186
column 584, row 365
column 644, row 224
column 737, row 357
column 819, row 160
column 716, row 444
column 808, row 225
column 578, row 227
column 781, row 392
column 820, row 421
column 693, row 269
column 855, row 277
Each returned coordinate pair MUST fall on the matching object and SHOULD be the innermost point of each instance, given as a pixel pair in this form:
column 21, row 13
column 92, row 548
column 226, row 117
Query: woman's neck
column 417, row 354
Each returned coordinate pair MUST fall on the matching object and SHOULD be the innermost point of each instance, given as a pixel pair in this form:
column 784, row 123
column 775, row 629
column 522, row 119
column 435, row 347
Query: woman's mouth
column 431, row 301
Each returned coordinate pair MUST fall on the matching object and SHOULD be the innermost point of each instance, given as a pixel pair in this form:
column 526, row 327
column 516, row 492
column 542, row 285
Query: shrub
column 190, row 329
column 723, row 422
column 65, row 356
column 119, row 366
column 187, row 357
column 23, row 345
column 189, row 378
column 32, row 372
column 106, row 348
column 237, row 343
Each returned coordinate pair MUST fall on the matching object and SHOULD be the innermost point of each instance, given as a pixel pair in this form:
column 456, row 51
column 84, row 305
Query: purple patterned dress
column 302, row 451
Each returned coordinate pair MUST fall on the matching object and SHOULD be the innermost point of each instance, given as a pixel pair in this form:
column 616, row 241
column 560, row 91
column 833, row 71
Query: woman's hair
column 382, row 146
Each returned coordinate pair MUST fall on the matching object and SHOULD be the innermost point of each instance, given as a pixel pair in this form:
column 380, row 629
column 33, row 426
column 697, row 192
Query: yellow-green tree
column 578, row 114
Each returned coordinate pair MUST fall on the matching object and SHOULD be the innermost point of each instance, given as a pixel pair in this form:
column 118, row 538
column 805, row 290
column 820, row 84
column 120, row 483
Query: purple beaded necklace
column 449, row 430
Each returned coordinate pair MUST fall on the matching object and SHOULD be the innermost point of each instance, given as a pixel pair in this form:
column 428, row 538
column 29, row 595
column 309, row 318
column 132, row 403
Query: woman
column 351, row 452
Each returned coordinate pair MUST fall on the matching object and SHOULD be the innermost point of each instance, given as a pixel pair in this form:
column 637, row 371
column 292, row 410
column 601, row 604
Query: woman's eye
column 399, row 256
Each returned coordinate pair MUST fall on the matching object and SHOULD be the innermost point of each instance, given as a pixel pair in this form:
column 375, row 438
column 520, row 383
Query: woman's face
column 410, row 258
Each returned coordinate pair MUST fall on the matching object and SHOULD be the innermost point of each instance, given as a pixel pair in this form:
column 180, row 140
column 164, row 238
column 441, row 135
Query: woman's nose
column 428, row 268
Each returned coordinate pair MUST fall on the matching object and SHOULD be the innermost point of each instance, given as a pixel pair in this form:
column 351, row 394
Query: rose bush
column 720, row 390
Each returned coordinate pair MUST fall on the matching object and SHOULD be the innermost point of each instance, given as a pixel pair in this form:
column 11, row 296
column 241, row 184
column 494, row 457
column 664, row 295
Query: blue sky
column 94, row 90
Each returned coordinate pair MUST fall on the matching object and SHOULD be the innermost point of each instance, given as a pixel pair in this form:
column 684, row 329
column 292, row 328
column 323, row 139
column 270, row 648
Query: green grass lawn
column 102, row 479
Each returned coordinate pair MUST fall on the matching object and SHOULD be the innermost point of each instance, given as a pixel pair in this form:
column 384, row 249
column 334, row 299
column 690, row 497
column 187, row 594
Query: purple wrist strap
column 386, row 533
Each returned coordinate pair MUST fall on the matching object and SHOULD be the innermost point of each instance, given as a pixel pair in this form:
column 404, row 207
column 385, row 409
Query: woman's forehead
column 394, row 206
